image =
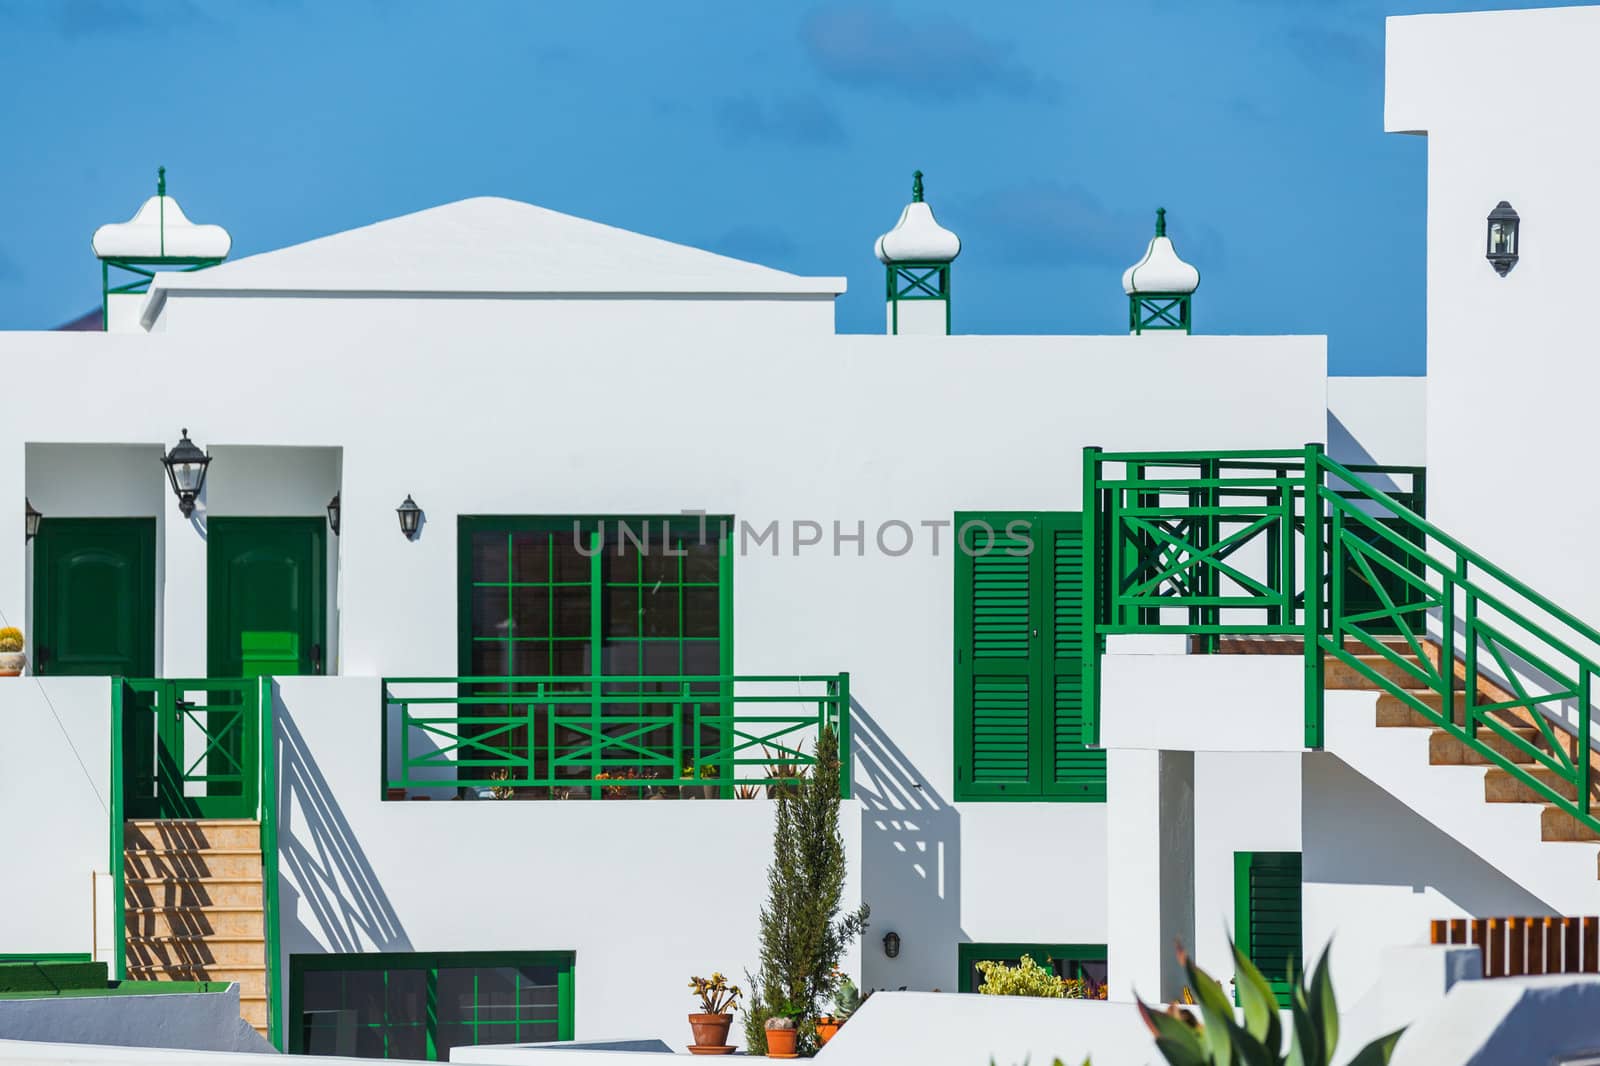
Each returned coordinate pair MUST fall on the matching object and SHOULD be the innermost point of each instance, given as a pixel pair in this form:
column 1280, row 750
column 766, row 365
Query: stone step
column 1394, row 711
column 1557, row 824
column 1445, row 750
column 253, row 1009
column 168, row 834
column 203, row 892
column 214, row 950
column 206, row 862
column 193, row 921
column 250, row 979
column 1500, row 786
column 1337, row 674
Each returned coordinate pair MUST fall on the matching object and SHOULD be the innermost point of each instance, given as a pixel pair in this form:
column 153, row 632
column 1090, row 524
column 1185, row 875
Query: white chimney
column 917, row 254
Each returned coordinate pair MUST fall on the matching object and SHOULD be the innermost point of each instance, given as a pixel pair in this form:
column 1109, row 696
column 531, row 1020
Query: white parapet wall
column 55, row 785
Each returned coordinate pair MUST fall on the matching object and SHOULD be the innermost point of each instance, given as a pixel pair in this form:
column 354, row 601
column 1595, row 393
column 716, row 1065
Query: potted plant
column 11, row 658
column 717, row 1000
column 781, row 1036
column 706, row 790
column 846, row 998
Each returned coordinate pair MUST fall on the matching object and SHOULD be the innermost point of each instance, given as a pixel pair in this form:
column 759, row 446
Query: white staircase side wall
column 1506, row 836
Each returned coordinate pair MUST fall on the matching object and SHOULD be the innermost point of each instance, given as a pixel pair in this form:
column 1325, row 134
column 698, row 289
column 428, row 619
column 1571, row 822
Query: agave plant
column 1217, row 1039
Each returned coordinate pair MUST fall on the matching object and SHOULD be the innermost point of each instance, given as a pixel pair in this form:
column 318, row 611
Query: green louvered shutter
column 1073, row 771
column 997, row 607
column 1267, row 916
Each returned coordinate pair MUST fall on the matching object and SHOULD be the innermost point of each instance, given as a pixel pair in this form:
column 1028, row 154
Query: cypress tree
column 803, row 935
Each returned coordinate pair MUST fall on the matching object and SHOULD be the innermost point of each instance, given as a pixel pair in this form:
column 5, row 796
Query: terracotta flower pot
column 826, row 1027
column 780, row 1044
column 711, row 1033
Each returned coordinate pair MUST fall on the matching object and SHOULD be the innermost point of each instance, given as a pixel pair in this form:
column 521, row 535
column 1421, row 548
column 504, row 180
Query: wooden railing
column 1514, row 947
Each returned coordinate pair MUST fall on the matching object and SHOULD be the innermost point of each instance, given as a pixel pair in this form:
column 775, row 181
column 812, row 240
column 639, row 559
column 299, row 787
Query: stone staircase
column 1499, row 784
column 193, row 906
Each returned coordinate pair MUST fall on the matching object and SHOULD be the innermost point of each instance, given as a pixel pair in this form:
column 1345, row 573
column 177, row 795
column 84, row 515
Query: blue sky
column 785, row 134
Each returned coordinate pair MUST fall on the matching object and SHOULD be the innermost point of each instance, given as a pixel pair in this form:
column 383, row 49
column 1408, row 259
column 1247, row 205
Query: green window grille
column 600, row 600
column 419, row 1006
column 1073, row 961
column 1267, row 916
column 1018, row 671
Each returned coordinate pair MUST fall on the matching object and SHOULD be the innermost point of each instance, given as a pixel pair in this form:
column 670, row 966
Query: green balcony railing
column 1294, row 545
column 710, row 737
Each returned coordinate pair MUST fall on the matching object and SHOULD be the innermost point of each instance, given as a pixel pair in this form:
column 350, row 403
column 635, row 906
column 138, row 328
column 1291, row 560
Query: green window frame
column 1267, row 914
column 599, row 599
column 415, row 1004
column 1075, row 961
column 1019, row 711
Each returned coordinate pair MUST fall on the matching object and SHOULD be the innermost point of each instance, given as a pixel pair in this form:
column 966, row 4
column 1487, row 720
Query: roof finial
column 916, row 186
column 161, row 181
column 1161, row 222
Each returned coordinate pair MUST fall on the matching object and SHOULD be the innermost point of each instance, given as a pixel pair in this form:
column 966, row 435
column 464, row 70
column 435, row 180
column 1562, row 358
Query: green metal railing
column 1291, row 543
column 196, row 748
column 627, row 737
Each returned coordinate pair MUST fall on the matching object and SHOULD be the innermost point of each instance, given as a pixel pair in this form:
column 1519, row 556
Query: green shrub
column 1217, row 1039
column 1027, row 978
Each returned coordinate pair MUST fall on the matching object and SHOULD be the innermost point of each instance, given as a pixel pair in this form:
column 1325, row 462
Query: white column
column 182, row 590
column 1150, row 870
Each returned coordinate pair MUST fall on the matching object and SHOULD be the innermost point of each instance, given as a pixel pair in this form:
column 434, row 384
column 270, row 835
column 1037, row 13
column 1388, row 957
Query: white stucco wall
column 1378, row 420
column 1512, row 372
column 486, row 414
column 644, row 893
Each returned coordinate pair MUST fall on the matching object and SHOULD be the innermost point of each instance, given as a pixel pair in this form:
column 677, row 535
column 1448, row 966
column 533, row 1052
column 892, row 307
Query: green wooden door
column 94, row 597
column 266, row 596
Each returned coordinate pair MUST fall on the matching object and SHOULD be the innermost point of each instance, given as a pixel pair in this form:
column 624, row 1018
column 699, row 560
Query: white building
column 631, row 459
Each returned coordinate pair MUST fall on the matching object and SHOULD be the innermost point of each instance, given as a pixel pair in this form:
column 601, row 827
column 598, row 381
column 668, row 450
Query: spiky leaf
column 1261, row 1019
column 1178, row 1043
column 1378, row 1052
column 1324, row 1009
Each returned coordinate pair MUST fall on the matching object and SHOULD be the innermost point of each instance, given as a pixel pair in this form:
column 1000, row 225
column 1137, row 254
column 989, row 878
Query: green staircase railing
column 197, row 748
column 1293, row 545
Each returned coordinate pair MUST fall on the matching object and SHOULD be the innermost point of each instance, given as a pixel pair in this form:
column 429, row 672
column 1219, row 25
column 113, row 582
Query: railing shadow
column 910, row 862
column 324, row 857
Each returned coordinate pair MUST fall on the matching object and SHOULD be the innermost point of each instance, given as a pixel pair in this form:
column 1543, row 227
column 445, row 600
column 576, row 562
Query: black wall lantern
column 333, row 514
column 1504, row 224
column 891, row 944
column 30, row 520
column 410, row 517
column 186, row 469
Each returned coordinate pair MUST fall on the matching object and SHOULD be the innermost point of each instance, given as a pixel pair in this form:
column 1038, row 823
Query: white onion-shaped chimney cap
column 917, row 237
column 1160, row 271
column 160, row 230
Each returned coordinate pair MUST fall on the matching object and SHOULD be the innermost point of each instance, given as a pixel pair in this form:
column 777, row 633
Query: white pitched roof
column 489, row 244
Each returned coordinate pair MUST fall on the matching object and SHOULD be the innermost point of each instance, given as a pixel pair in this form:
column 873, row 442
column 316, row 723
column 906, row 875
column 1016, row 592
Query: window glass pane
column 491, row 612
column 660, row 611
column 572, row 611
column 530, row 557
column 622, row 611
column 530, row 658
column 570, row 563
column 657, row 565
column 661, row 658
column 488, row 557
column 700, row 615
column 489, row 658
column 701, row 564
column 530, row 610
